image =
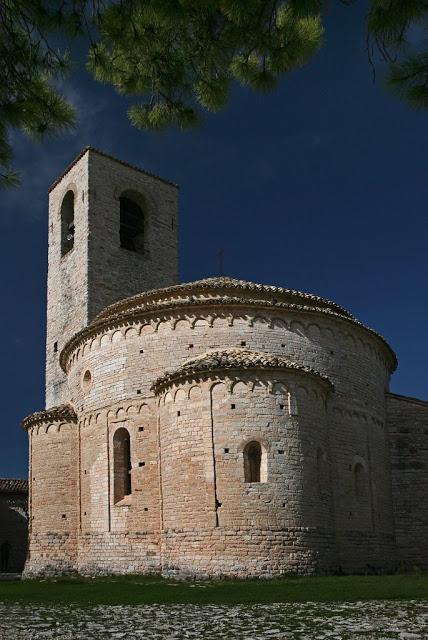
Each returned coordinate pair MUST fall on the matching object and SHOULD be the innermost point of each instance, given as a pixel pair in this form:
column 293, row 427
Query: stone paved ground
column 403, row 620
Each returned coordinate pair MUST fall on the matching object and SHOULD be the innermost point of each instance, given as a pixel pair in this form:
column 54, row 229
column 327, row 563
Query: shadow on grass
column 156, row 590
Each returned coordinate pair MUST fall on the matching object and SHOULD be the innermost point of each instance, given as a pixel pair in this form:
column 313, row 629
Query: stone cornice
column 232, row 360
column 62, row 413
column 216, row 285
column 191, row 303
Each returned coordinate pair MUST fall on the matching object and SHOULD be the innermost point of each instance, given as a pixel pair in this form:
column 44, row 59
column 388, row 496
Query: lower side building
column 13, row 524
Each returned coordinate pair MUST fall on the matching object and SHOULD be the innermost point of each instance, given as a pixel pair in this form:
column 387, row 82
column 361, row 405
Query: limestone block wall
column 119, row 536
column 214, row 521
column 53, row 504
column 125, row 357
column 67, row 299
column 97, row 271
column 408, row 438
column 329, row 503
column 115, row 273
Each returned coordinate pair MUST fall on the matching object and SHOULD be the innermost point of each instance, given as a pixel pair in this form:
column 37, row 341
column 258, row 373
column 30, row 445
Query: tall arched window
column 67, row 223
column 254, row 462
column 131, row 225
column 360, row 483
column 122, row 464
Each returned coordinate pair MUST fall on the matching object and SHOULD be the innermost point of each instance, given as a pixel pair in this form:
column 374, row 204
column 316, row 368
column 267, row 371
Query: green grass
column 150, row 589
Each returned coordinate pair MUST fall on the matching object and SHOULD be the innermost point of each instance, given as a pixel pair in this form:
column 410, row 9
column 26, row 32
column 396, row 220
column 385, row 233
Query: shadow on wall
column 13, row 537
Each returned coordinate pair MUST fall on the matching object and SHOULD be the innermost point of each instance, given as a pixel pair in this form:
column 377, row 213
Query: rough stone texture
column 374, row 620
column 97, row 271
column 13, row 520
column 408, row 434
column 194, row 373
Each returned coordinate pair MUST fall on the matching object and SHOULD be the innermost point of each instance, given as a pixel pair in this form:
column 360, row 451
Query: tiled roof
column 13, row 485
column 219, row 283
column 221, row 359
column 106, row 155
column 63, row 412
column 211, row 292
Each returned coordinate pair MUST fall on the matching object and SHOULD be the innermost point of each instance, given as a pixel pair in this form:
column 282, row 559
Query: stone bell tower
column 113, row 232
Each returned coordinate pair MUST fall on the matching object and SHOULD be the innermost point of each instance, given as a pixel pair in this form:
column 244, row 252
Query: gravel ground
column 404, row 620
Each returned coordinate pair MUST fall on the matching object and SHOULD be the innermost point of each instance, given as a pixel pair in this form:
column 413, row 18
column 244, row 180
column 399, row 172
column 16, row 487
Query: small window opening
column 190, row 346
column 178, row 413
column 86, row 381
column 255, row 469
column 63, row 515
column 141, row 350
column 67, row 223
column 283, row 345
column 232, row 406
column 131, row 225
column 140, row 428
column 138, row 391
column 55, row 347
column 281, row 406
column 281, row 451
column 122, row 464
column 243, row 343
column 141, row 464
column 146, row 509
column 226, row 450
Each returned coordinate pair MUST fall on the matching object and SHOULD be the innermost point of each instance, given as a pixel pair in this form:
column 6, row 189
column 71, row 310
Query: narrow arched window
column 67, row 223
column 254, row 462
column 360, row 483
column 122, row 464
column 131, row 225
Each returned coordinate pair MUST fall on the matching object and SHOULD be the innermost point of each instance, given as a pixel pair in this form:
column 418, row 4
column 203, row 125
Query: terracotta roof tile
column 13, row 485
column 221, row 359
column 63, row 412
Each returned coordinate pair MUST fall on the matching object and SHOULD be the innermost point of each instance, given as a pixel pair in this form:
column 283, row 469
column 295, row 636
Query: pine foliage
column 179, row 58
column 399, row 31
column 183, row 55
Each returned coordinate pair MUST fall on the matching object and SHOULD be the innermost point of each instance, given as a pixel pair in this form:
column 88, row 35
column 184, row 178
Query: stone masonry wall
column 216, row 522
column 120, row 537
column 116, row 273
column 67, row 299
column 124, row 360
column 53, row 506
column 408, row 438
column 97, row 271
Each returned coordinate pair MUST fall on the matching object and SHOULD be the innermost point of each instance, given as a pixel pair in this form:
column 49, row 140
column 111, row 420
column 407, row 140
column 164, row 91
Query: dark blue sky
column 320, row 186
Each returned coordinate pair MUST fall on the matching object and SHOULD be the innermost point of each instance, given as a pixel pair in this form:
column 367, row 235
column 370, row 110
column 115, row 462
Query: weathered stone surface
column 191, row 376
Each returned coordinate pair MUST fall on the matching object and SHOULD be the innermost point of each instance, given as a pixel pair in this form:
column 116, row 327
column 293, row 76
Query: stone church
column 212, row 428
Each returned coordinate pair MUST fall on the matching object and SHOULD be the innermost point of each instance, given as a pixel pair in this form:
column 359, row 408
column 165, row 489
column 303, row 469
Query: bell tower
column 113, row 232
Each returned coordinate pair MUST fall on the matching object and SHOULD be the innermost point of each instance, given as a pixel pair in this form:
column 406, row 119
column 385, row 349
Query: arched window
column 360, row 483
column 255, row 462
column 122, row 464
column 67, row 223
column 131, row 225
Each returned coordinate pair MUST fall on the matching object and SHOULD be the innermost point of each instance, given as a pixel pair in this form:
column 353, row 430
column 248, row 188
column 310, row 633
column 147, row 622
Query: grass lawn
column 155, row 590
